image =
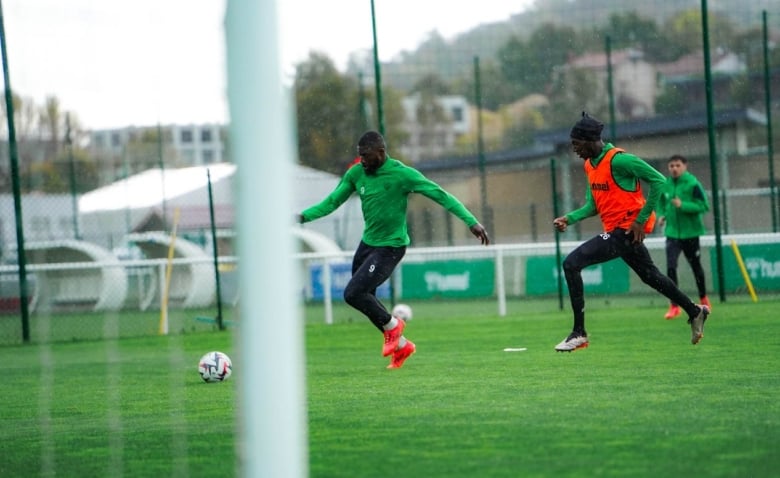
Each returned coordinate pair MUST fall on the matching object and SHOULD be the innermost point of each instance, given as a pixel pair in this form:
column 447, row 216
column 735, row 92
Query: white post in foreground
column 500, row 282
column 327, row 287
column 272, row 410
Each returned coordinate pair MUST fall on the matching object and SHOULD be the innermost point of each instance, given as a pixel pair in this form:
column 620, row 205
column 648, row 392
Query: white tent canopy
column 151, row 187
column 109, row 213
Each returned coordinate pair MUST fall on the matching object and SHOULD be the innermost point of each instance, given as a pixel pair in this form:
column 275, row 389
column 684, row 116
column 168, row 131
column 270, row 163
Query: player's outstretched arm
column 479, row 231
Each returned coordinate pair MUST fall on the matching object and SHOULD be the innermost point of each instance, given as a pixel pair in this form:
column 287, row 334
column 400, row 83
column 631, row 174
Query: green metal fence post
column 610, row 89
column 554, row 181
column 162, row 174
column 380, row 112
column 362, row 108
column 72, row 174
column 215, row 251
column 378, row 76
column 481, row 148
column 769, row 139
column 14, row 157
column 713, row 149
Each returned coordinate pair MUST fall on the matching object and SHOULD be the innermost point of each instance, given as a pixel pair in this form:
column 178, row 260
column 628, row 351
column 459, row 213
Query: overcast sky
column 118, row 63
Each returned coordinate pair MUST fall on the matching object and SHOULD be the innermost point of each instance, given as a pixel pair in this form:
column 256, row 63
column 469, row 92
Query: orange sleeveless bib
column 617, row 207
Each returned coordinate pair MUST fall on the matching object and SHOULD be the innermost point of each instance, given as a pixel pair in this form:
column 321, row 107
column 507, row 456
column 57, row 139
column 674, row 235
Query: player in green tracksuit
column 383, row 185
column 682, row 203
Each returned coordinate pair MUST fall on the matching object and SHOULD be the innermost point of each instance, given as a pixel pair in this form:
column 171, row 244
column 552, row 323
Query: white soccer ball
column 215, row 367
column 403, row 312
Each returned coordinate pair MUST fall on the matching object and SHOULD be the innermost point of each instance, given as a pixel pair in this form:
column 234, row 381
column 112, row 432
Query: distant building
column 433, row 128
column 686, row 76
column 637, row 83
column 519, row 181
column 692, row 65
column 136, row 148
column 633, row 80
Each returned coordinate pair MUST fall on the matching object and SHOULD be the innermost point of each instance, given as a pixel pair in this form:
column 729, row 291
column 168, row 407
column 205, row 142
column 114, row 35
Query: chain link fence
column 485, row 113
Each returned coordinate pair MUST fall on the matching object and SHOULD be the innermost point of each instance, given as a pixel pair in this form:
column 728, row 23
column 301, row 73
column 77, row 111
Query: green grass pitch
column 640, row 401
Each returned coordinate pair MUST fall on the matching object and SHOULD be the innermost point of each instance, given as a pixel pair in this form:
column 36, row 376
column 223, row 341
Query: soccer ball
column 215, row 367
column 403, row 312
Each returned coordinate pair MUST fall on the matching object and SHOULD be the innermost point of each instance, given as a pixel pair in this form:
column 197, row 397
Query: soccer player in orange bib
column 615, row 195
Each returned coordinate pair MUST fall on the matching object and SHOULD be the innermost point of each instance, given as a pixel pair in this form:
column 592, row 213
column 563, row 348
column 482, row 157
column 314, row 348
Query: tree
column 430, row 116
column 573, row 92
column 495, row 89
column 431, row 84
column 86, row 177
column 326, row 105
column 54, row 177
column 142, row 151
column 743, row 94
column 26, row 116
column 750, row 44
column 670, row 101
column 51, row 120
column 395, row 134
column 41, row 141
column 514, row 57
column 529, row 65
column 330, row 115
column 685, row 31
column 521, row 132
column 629, row 30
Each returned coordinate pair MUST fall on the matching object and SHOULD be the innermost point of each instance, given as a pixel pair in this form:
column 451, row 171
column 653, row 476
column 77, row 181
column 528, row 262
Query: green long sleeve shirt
column 626, row 170
column 684, row 222
column 384, row 197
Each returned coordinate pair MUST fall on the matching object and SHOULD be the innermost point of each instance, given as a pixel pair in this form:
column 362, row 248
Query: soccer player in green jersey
column 383, row 185
column 681, row 206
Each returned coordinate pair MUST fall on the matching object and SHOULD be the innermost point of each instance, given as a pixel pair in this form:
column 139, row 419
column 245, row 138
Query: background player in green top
column 683, row 201
column 384, row 185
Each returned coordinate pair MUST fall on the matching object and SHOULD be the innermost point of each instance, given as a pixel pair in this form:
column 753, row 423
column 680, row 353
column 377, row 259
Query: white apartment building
column 191, row 145
column 437, row 137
